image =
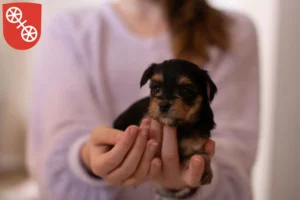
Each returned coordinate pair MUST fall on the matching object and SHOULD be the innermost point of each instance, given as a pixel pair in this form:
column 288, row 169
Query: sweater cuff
column 76, row 165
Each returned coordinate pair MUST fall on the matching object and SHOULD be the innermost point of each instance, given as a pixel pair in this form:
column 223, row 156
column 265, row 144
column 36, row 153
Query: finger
column 142, row 171
column 209, row 148
column 105, row 136
column 103, row 149
column 169, row 152
column 130, row 164
column 156, row 131
column 192, row 176
column 155, row 169
column 145, row 122
column 116, row 155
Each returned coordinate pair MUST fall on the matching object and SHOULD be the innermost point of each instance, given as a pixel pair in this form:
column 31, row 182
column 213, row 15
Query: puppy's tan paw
column 207, row 173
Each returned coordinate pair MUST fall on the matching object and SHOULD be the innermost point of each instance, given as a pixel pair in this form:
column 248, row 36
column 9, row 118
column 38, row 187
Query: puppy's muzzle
column 164, row 107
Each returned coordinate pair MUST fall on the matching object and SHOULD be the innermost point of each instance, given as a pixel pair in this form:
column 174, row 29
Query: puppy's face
column 179, row 89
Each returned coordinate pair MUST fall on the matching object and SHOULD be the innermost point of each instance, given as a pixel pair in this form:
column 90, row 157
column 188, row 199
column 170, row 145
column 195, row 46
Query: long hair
column 194, row 26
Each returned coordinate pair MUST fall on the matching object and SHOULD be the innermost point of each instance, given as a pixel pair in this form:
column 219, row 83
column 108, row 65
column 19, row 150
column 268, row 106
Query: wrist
column 76, row 165
column 176, row 194
column 84, row 156
column 85, row 159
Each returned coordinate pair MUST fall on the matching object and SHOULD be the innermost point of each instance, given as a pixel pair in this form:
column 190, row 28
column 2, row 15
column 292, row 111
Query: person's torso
column 117, row 57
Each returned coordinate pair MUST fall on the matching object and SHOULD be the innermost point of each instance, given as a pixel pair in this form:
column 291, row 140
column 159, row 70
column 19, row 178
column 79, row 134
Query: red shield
column 22, row 24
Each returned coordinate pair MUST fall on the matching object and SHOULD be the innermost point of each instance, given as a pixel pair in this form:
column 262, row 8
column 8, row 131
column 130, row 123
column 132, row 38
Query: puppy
column 180, row 96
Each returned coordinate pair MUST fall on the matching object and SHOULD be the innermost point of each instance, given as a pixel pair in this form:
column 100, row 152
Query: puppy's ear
column 211, row 88
column 148, row 73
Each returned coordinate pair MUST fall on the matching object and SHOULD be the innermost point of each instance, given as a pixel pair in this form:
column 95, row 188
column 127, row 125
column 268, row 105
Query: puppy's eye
column 186, row 91
column 156, row 89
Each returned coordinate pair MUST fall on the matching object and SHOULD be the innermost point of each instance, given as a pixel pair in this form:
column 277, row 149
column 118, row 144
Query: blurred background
column 276, row 172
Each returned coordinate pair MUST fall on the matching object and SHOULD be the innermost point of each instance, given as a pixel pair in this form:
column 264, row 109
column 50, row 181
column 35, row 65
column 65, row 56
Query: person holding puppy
column 87, row 71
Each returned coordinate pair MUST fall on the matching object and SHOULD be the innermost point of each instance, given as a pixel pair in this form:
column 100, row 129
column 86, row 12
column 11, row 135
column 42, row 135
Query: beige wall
column 13, row 73
column 284, row 183
column 14, row 77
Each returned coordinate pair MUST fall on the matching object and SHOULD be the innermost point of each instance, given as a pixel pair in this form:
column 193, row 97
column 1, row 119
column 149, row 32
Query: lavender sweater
column 87, row 71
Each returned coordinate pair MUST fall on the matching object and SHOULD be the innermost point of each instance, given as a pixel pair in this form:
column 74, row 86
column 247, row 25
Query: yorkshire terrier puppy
column 181, row 93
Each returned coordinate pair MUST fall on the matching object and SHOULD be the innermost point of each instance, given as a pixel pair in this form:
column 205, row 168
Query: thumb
column 192, row 175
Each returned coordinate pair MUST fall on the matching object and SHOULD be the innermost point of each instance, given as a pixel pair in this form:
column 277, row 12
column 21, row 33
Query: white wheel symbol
column 14, row 15
column 29, row 33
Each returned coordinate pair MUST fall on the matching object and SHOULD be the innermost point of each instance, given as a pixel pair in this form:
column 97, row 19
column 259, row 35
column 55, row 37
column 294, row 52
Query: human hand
column 127, row 162
column 166, row 172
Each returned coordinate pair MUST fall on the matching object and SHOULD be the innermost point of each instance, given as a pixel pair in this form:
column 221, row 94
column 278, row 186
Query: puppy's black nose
column 164, row 107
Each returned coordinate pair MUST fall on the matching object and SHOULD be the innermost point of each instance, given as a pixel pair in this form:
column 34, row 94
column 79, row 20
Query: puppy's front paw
column 207, row 173
column 194, row 146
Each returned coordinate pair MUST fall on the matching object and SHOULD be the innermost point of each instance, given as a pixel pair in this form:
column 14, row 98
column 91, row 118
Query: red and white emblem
column 22, row 24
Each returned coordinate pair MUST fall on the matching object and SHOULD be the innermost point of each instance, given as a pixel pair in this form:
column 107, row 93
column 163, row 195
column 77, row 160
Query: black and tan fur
column 181, row 93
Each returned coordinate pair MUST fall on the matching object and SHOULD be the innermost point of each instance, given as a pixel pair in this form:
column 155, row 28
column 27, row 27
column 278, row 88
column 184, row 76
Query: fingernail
column 145, row 131
column 146, row 122
column 197, row 162
column 153, row 146
column 133, row 131
column 157, row 163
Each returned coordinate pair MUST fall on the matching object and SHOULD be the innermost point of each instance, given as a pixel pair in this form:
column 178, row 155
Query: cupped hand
column 166, row 171
column 120, row 158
